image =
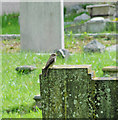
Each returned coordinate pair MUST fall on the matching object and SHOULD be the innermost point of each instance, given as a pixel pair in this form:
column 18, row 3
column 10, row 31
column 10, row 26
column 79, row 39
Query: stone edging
column 9, row 36
column 14, row 36
column 94, row 34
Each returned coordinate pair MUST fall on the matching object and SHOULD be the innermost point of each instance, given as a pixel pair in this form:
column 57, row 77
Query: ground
column 74, row 45
column 18, row 90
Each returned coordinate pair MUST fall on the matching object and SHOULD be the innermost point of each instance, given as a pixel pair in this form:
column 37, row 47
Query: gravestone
column 41, row 26
column 96, row 24
column 101, row 10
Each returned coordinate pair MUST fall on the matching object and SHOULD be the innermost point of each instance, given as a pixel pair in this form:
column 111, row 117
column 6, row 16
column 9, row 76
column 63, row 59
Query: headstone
column 96, row 24
column 101, row 10
column 42, row 26
column 82, row 17
column 94, row 46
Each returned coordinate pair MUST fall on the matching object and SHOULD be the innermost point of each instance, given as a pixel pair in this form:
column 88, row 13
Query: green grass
column 10, row 24
column 31, row 114
column 19, row 89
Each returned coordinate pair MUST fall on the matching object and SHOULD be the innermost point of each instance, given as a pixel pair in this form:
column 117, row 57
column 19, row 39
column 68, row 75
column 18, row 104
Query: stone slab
column 42, row 26
column 104, row 10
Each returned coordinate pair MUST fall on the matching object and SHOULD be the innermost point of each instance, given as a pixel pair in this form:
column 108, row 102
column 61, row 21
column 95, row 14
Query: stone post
column 42, row 26
column 64, row 92
column 73, row 91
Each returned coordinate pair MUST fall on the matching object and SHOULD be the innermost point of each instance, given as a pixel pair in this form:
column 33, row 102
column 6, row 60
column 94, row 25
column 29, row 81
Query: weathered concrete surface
column 70, row 91
column 42, row 26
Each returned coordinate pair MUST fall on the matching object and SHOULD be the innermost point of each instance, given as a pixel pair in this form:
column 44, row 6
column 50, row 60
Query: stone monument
column 42, row 26
column 101, row 10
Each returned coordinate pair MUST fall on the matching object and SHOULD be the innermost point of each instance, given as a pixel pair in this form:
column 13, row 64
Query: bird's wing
column 50, row 62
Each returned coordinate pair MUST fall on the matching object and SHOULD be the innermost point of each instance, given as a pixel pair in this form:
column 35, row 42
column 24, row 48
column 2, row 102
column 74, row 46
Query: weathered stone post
column 73, row 91
column 42, row 26
column 64, row 92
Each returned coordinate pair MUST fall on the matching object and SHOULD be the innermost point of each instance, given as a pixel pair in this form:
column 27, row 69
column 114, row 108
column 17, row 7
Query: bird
column 50, row 63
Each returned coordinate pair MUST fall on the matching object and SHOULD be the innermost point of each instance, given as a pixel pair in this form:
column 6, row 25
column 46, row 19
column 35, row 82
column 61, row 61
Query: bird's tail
column 45, row 72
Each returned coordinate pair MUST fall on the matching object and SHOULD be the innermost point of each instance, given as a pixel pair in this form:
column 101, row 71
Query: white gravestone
column 42, row 26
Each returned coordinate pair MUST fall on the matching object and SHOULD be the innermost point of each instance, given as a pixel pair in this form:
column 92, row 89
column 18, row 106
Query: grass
column 10, row 24
column 77, row 44
column 31, row 114
column 18, row 90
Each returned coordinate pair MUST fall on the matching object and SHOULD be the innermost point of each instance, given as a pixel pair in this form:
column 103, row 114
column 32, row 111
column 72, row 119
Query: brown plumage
column 50, row 63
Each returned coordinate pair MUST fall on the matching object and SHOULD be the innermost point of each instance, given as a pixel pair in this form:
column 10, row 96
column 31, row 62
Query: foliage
column 110, row 27
column 0, row 25
column 64, row 10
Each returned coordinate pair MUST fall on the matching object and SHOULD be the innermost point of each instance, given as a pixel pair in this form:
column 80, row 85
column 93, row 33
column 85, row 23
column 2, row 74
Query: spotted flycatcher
column 50, row 63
